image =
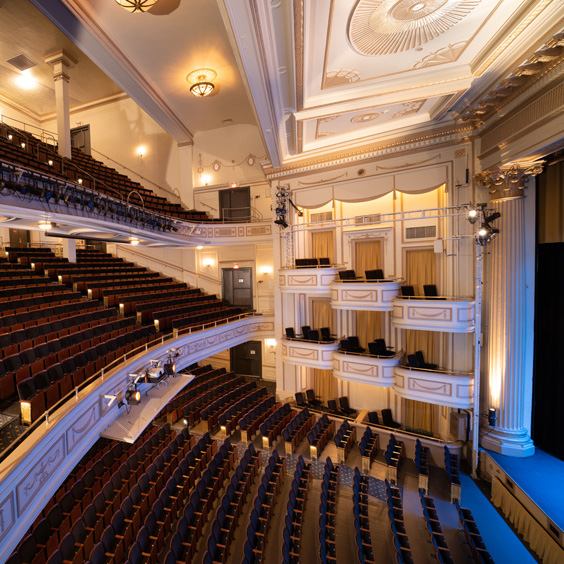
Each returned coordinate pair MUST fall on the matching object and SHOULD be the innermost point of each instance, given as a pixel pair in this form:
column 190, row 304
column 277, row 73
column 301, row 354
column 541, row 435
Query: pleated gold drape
column 420, row 270
column 322, row 245
column 368, row 256
column 324, row 384
column 551, row 204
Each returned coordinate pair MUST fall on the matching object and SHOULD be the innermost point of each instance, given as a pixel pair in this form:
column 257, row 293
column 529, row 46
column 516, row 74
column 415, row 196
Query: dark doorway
column 246, row 359
column 19, row 238
column 237, row 286
column 235, row 204
column 80, row 138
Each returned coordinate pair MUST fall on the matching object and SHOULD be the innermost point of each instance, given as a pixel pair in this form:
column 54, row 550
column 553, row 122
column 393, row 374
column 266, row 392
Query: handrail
column 438, row 371
column 175, row 334
column 438, row 298
column 253, row 216
column 176, row 192
column 44, row 133
column 170, row 265
column 363, row 280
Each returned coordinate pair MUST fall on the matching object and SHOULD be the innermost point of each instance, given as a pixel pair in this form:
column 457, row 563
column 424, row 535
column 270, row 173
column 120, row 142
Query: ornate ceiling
column 341, row 74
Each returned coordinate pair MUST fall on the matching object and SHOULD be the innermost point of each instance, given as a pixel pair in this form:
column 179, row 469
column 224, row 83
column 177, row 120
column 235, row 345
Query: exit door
column 235, row 204
column 19, row 238
column 246, row 359
column 80, row 138
column 237, row 286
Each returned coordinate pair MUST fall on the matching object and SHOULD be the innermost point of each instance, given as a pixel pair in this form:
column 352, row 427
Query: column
column 69, row 249
column 506, row 313
column 61, row 62
column 186, row 177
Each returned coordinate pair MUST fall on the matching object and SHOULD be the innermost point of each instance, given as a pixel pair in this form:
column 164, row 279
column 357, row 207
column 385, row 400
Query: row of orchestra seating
column 250, row 423
column 212, row 412
column 296, row 430
column 272, row 427
column 261, row 511
column 434, row 528
column 229, row 419
column 319, row 435
column 294, row 520
column 361, row 521
column 402, row 546
column 473, row 537
column 422, row 464
column 229, row 511
column 328, row 512
column 344, row 440
column 393, row 455
column 368, row 447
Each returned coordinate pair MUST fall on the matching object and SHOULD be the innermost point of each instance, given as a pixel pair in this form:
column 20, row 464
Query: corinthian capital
column 508, row 182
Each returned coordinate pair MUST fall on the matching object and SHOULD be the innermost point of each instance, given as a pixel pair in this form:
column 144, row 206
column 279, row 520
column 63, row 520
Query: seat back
column 347, row 275
column 430, row 290
column 290, row 333
column 376, row 274
column 407, row 291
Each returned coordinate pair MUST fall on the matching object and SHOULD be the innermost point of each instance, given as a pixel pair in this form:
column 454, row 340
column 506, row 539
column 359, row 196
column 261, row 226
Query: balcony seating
column 434, row 528
column 42, row 161
column 376, row 274
column 300, row 399
column 378, row 348
column 373, row 418
column 309, row 334
column 325, row 334
column 332, row 407
column 388, row 419
column 417, row 361
column 395, row 513
column 297, row 429
column 290, row 333
column 319, row 435
column 452, row 470
column 305, row 332
column 261, row 512
column 393, row 455
column 473, row 536
column 422, row 463
column 361, row 521
column 229, row 511
column 345, row 407
column 344, row 440
column 294, row 514
column 312, row 400
column 368, row 447
column 351, row 344
column 311, row 262
column 327, row 512
column 272, row 427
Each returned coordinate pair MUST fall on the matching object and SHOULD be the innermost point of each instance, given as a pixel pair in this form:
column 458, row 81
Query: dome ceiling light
column 137, row 5
column 201, row 82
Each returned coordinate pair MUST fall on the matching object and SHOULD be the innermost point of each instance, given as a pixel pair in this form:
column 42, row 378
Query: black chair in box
column 312, row 400
column 347, row 275
column 301, row 263
column 325, row 334
column 345, row 407
column 324, row 261
column 376, row 274
column 313, row 335
column 290, row 333
column 388, row 420
column 379, row 348
column 431, row 293
column 407, row 291
column 305, row 331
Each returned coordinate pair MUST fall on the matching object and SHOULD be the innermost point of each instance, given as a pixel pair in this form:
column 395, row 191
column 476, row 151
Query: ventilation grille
column 376, row 218
column 322, row 216
column 21, row 62
column 424, row 232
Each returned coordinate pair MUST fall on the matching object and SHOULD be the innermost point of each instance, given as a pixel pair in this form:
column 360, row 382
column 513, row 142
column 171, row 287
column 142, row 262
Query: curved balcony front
column 315, row 354
column 365, row 296
column 454, row 389
column 366, row 369
column 450, row 315
column 311, row 280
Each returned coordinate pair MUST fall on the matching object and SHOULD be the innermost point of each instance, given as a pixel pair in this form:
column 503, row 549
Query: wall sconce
column 133, row 241
column 270, row 343
column 206, row 179
column 199, row 247
column 208, row 263
column 141, row 151
column 45, row 225
column 264, row 270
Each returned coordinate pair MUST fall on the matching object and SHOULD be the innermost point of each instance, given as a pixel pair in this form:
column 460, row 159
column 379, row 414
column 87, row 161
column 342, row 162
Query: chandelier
column 137, row 5
column 201, row 81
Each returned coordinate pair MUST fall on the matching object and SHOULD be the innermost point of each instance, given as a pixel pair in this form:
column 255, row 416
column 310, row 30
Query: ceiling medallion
column 383, row 27
column 363, row 118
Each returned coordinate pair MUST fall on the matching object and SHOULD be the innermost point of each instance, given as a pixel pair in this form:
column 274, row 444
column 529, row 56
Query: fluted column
column 506, row 376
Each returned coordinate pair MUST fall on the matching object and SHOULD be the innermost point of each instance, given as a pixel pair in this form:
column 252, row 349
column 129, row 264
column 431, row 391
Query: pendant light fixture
column 136, row 5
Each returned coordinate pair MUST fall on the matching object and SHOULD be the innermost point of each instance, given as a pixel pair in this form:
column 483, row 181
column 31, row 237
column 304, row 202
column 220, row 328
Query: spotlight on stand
column 154, row 372
column 472, row 215
column 132, row 396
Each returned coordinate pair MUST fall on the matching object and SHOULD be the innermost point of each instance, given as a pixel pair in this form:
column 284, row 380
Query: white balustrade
column 311, row 280
column 450, row 316
column 366, row 369
column 364, row 296
column 315, row 354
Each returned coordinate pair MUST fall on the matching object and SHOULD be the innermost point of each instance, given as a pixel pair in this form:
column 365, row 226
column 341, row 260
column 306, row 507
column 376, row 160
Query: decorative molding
column 81, row 427
column 447, row 54
column 448, row 315
column 510, row 182
column 540, row 63
column 7, row 515
column 383, row 27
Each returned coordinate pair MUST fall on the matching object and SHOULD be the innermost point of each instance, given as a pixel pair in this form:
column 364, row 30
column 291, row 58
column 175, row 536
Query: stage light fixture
column 492, row 417
column 133, row 396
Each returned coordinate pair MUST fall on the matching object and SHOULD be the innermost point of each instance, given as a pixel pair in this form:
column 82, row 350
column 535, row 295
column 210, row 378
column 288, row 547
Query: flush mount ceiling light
column 45, row 225
column 201, row 81
column 137, row 5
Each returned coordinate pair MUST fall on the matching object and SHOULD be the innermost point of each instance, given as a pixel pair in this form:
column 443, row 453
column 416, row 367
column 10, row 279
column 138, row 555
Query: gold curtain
column 551, row 204
column 322, row 314
column 324, row 385
column 322, row 245
column 420, row 415
column 420, row 269
column 368, row 256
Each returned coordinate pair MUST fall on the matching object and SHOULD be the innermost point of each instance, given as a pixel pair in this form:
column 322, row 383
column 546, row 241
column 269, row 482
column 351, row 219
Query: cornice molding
column 426, row 139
